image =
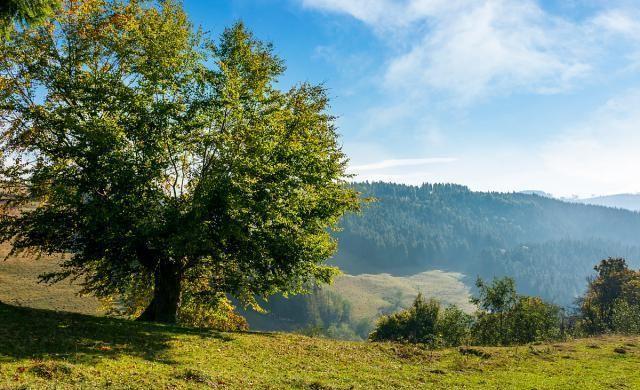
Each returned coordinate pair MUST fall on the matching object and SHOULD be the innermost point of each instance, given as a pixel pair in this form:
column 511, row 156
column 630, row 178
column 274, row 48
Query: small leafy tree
column 160, row 160
column 495, row 299
column 454, row 326
column 506, row 318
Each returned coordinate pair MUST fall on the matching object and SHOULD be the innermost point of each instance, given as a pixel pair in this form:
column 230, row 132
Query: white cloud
column 369, row 11
column 621, row 21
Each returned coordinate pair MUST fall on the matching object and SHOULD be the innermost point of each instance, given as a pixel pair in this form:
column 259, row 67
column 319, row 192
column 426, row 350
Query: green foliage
column 25, row 12
column 415, row 325
column 503, row 318
column 424, row 322
column 495, row 301
column 533, row 319
column 219, row 316
column 612, row 299
column 154, row 155
column 626, row 317
column 547, row 246
column 454, row 326
column 506, row 318
column 498, row 297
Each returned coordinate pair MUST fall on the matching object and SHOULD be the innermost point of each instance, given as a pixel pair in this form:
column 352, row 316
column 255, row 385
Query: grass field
column 42, row 349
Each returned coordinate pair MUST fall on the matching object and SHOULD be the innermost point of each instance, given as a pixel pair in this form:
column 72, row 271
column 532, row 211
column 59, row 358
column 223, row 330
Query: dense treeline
column 547, row 245
column 504, row 317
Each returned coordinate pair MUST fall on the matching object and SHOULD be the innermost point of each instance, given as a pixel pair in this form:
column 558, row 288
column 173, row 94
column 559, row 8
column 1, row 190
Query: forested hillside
column 549, row 246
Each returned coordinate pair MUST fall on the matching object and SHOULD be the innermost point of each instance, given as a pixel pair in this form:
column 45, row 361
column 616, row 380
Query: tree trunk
column 166, row 294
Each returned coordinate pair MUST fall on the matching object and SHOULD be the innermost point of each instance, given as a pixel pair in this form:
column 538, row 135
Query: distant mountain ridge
column 621, row 201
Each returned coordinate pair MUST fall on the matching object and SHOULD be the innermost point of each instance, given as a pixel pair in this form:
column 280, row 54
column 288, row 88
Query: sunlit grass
column 43, row 349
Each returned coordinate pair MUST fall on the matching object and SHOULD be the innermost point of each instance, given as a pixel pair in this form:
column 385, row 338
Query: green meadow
column 41, row 349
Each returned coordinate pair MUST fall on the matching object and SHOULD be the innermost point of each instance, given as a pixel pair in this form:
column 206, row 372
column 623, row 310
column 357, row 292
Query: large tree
column 159, row 160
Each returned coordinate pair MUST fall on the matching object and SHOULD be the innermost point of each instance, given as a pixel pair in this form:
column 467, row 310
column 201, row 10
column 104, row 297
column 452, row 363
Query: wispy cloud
column 471, row 49
column 396, row 163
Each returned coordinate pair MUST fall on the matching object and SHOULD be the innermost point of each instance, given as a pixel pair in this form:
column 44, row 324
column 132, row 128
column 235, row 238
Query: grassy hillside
column 42, row 349
column 370, row 295
column 19, row 286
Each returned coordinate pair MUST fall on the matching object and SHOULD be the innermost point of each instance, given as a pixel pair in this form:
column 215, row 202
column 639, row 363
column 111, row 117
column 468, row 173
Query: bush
column 504, row 318
column 414, row 325
column 487, row 329
column 220, row 316
column 612, row 300
column 425, row 322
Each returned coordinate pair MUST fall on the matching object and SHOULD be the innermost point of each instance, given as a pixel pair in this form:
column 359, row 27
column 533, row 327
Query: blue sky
column 500, row 95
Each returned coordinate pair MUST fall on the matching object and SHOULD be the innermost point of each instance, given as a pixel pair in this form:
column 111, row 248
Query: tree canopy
column 25, row 12
column 167, row 165
column 612, row 300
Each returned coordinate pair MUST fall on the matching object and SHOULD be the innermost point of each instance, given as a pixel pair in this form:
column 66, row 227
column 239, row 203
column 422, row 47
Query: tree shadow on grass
column 44, row 334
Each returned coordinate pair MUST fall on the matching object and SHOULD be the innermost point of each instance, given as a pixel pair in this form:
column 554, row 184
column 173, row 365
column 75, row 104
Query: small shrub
column 196, row 377
column 533, row 319
column 626, row 317
column 220, row 316
column 475, row 352
column 51, row 370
